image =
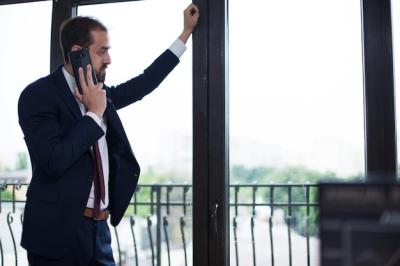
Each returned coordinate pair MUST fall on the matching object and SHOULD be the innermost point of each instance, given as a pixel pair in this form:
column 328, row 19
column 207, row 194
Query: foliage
column 22, row 161
column 300, row 216
column 6, row 195
column 144, row 194
column 240, row 174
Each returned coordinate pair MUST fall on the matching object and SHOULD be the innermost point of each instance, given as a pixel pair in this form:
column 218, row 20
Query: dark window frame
column 379, row 92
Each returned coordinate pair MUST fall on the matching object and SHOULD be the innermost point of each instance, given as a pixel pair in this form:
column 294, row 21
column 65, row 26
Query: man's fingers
column 89, row 77
column 78, row 95
column 195, row 9
column 192, row 10
column 196, row 14
column 82, row 80
column 99, row 85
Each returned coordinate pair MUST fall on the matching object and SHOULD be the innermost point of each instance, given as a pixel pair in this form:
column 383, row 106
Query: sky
column 295, row 80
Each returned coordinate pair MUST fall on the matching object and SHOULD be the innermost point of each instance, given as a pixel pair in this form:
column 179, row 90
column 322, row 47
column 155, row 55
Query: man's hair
column 77, row 31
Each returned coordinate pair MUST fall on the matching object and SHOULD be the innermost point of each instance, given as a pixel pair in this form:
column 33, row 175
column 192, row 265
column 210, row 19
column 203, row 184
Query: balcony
column 271, row 224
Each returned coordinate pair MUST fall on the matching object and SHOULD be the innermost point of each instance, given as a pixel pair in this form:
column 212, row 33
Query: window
column 296, row 91
column 25, row 57
column 296, row 112
column 159, row 126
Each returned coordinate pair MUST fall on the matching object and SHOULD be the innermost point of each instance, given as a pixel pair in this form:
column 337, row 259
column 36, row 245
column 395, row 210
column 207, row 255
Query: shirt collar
column 70, row 80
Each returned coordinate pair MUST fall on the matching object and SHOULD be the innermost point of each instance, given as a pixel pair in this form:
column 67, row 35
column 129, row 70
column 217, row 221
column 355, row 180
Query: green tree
column 149, row 177
column 22, row 161
column 5, row 195
column 300, row 175
column 249, row 175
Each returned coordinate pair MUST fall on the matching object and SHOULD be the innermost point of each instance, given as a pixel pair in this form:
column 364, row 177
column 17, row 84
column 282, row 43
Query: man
column 83, row 168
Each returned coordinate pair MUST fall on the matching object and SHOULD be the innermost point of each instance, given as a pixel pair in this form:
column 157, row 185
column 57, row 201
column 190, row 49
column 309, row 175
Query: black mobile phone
column 81, row 58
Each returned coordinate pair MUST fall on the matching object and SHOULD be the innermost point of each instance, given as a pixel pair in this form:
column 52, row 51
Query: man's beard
column 101, row 75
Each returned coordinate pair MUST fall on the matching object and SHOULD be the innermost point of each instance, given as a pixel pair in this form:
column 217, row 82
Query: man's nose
column 107, row 59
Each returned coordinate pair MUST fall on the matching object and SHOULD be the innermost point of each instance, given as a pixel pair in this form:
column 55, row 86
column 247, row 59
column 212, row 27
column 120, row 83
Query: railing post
column 13, row 198
column 235, row 226
column 2, row 189
column 149, row 225
column 271, row 237
column 252, row 223
column 183, row 222
column 165, row 225
column 308, row 223
column 289, row 222
column 158, row 191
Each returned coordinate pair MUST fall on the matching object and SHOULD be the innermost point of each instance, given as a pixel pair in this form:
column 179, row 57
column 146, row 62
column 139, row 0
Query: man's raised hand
column 93, row 96
column 191, row 16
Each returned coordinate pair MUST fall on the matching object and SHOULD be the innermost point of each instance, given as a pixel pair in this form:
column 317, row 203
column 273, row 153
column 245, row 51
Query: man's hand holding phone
column 93, row 96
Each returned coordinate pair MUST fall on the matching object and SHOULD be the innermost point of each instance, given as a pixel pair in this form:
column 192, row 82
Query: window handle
column 214, row 217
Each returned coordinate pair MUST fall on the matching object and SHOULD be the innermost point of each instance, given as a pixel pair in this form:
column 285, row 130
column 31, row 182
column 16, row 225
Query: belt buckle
column 97, row 219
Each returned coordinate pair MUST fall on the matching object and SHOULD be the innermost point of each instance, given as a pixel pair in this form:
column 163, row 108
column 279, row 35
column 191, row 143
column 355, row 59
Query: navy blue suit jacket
column 59, row 138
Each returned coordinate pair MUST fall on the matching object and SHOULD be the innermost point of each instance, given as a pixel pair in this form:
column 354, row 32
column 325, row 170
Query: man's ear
column 75, row 48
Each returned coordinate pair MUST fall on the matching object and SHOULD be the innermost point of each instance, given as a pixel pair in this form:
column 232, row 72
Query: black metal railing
column 157, row 227
column 298, row 206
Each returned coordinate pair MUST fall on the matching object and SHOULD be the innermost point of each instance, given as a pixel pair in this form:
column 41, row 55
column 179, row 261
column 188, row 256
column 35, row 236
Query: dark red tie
column 98, row 178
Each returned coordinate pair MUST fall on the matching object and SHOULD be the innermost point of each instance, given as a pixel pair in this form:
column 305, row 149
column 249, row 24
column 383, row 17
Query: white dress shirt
column 178, row 48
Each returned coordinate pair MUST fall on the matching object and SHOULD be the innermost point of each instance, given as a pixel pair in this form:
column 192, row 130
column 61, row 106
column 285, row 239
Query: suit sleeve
column 52, row 147
column 135, row 89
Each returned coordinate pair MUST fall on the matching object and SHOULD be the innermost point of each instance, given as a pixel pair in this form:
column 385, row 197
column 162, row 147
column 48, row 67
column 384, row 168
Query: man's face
column 99, row 53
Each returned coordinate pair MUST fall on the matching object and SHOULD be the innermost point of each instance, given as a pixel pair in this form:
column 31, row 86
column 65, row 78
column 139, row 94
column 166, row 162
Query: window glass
column 296, row 86
column 25, row 57
column 159, row 127
column 296, row 116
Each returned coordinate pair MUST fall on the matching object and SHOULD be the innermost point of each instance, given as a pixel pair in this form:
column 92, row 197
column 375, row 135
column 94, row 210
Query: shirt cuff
column 95, row 118
column 178, row 48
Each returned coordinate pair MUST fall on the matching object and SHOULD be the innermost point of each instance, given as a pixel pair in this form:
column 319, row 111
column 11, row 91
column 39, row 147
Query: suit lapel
column 115, row 130
column 66, row 93
column 112, row 117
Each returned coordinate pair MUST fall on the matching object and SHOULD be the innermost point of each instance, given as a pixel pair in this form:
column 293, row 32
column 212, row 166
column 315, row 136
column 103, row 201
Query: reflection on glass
column 159, row 126
column 296, row 115
column 25, row 57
